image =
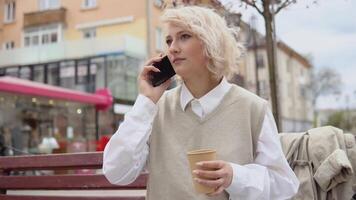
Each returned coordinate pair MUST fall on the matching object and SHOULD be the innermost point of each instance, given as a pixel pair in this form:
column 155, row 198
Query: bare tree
column 325, row 81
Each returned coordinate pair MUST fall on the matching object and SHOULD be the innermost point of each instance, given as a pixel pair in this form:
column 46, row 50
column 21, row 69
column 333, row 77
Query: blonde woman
column 204, row 111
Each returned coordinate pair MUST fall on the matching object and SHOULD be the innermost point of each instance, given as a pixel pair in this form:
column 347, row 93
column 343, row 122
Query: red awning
column 102, row 99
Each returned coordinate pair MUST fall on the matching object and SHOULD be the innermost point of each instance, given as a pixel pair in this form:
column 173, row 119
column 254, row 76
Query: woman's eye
column 168, row 42
column 185, row 36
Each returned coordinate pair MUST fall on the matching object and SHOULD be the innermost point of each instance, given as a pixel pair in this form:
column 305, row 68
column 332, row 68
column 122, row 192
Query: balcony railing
column 44, row 17
column 73, row 49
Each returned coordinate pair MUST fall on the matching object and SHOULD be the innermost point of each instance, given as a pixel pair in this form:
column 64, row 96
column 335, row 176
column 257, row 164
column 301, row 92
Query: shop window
column 53, row 74
column 47, row 125
column 100, row 76
column 87, row 4
column 2, row 71
column 44, row 35
column 49, row 4
column 67, row 74
column 74, row 75
column 39, row 73
column 85, row 81
column 13, row 71
column 25, row 73
column 82, row 71
column 122, row 77
column 9, row 11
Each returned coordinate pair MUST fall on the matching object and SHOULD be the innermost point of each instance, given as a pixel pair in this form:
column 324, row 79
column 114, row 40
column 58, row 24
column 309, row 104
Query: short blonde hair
column 220, row 45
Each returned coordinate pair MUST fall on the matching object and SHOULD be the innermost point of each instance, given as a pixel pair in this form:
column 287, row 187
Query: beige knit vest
column 232, row 128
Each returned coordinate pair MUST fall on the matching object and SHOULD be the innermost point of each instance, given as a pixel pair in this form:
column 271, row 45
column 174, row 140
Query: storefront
column 39, row 118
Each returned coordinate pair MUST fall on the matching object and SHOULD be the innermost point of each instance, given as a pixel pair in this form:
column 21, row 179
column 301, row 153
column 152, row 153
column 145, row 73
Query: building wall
column 293, row 80
column 105, row 10
column 1, row 23
column 156, row 24
column 12, row 31
column 76, row 15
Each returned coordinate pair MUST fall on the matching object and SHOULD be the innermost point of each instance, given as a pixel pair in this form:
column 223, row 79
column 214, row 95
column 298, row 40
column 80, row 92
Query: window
column 9, row 14
column 159, row 38
column 89, row 33
column 9, row 45
column 260, row 61
column 24, row 72
column 49, row 34
column 49, row 4
column 89, row 4
column 288, row 65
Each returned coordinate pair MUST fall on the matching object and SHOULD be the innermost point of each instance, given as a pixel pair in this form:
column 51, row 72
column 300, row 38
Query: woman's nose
column 173, row 48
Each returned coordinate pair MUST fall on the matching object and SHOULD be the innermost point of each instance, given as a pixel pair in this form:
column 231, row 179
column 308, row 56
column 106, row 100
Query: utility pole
column 275, row 78
column 254, row 47
column 149, row 30
column 268, row 15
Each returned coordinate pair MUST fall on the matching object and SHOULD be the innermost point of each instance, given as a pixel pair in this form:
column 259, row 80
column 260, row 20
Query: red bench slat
column 65, row 182
column 92, row 160
column 25, row 197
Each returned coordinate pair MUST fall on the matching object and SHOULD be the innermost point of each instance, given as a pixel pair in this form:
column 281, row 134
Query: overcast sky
column 327, row 31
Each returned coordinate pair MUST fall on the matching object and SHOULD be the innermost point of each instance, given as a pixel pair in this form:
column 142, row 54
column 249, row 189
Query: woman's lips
column 178, row 60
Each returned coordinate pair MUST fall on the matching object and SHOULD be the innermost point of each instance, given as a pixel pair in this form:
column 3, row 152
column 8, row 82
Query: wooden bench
column 9, row 166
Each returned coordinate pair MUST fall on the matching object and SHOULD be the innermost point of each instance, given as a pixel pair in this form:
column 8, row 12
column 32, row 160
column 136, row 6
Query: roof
column 102, row 99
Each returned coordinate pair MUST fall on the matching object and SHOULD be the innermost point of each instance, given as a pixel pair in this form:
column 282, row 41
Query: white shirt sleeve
column 270, row 176
column 126, row 153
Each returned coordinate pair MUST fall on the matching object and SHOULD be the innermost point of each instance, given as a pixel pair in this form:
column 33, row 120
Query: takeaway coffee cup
column 197, row 156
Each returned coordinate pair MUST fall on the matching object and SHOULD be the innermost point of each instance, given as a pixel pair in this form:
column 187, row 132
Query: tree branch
column 283, row 5
column 253, row 4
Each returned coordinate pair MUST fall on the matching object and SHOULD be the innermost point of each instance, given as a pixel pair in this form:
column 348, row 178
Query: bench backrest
column 75, row 161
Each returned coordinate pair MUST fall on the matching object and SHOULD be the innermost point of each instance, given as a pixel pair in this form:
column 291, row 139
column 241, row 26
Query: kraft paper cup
column 197, row 156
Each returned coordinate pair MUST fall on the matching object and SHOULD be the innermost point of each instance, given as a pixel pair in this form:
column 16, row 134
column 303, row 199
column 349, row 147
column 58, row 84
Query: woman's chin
column 180, row 71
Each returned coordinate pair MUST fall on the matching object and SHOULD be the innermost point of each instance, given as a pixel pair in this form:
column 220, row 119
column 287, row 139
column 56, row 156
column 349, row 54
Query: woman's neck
column 199, row 86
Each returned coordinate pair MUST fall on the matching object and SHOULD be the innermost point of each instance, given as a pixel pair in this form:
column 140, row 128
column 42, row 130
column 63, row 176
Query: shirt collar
column 210, row 100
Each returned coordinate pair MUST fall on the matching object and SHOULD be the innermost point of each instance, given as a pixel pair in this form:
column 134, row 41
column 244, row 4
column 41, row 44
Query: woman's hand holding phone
column 144, row 81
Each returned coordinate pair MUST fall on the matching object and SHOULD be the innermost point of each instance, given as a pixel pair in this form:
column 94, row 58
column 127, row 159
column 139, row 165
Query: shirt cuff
column 144, row 109
column 239, row 179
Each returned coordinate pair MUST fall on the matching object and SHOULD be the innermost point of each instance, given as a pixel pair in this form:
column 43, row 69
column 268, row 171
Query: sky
column 326, row 31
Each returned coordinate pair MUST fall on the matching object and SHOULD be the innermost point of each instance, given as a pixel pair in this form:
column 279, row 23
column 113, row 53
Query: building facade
column 293, row 80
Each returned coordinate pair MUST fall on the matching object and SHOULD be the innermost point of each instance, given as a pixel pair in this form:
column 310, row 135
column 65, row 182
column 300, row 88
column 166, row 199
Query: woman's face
column 185, row 51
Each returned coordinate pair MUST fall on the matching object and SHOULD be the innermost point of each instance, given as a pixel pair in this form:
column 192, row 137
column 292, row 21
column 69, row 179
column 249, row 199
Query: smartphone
column 166, row 72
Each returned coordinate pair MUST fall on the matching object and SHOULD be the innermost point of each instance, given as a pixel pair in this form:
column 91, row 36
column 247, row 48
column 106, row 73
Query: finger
column 209, row 174
column 215, row 164
column 147, row 69
column 145, row 74
column 210, row 183
column 154, row 59
column 217, row 191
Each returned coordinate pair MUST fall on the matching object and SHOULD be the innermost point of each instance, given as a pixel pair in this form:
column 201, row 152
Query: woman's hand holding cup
column 216, row 174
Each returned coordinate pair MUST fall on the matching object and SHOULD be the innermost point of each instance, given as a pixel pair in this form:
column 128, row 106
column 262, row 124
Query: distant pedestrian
column 17, row 138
